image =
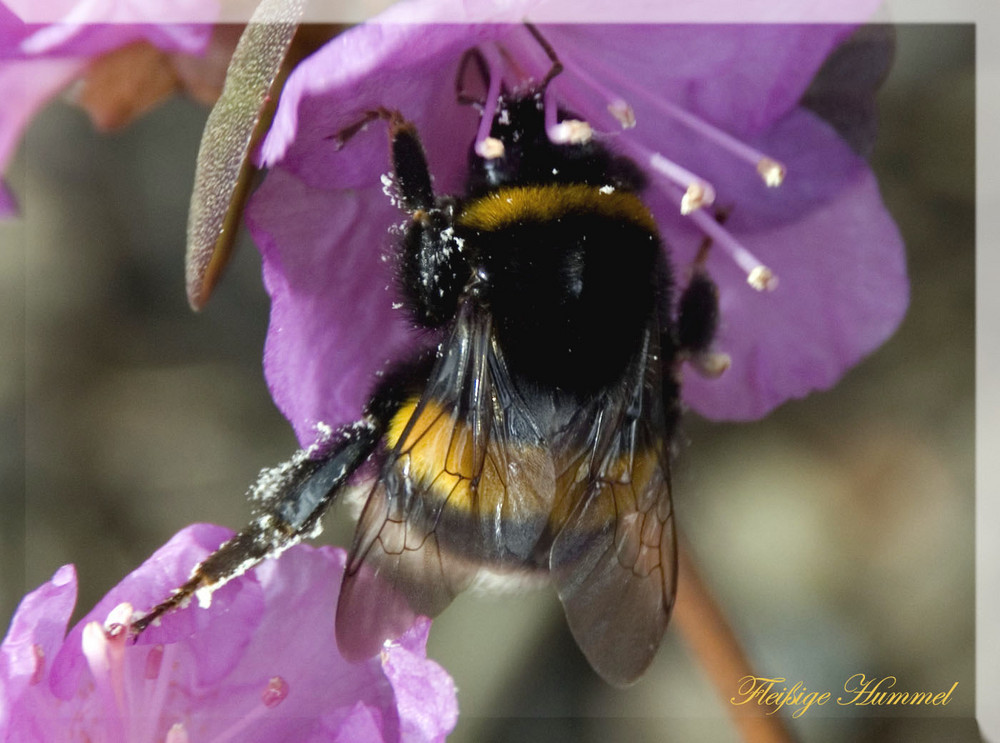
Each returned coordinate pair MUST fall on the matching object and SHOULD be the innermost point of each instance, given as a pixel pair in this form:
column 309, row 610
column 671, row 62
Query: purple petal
column 642, row 11
column 36, row 632
column 24, row 88
column 704, row 68
column 36, row 62
column 34, row 638
column 359, row 725
column 168, row 568
column 91, row 40
column 843, row 290
column 295, row 642
column 332, row 318
column 740, row 78
column 92, row 28
column 425, row 693
column 273, row 671
column 12, row 30
column 399, row 66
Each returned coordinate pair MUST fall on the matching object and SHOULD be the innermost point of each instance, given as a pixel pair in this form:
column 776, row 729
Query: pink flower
column 712, row 99
column 39, row 61
column 259, row 665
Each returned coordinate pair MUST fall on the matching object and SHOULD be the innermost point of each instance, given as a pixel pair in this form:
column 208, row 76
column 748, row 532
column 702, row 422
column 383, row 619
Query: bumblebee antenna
column 557, row 66
column 395, row 119
column 569, row 131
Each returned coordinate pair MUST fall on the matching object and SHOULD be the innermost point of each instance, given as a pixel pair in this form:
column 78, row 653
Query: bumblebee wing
column 468, row 480
column 614, row 558
column 389, row 561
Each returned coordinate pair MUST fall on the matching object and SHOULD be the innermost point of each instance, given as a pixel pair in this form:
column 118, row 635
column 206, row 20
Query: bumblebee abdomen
column 481, row 497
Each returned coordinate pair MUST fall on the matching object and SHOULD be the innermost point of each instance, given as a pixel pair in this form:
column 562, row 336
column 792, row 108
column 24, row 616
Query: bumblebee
column 536, row 438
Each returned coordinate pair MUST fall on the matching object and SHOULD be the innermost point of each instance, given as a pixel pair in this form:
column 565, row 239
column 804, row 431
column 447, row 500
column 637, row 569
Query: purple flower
column 38, row 61
column 259, row 665
column 714, row 100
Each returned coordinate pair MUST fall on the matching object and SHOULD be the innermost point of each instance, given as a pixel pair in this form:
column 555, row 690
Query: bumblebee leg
column 698, row 317
column 292, row 498
column 698, row 313
column 413, row 177
column 432, row 267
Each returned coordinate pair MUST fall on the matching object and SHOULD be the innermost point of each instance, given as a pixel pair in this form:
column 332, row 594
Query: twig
column 719, row 652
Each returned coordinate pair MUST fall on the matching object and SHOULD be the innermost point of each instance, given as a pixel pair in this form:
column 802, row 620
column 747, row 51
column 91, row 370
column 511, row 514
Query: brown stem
column 719, row 653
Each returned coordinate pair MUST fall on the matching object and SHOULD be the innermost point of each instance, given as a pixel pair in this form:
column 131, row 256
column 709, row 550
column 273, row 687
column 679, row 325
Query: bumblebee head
column 515, row 148
column 529, row 142
column 524, row 137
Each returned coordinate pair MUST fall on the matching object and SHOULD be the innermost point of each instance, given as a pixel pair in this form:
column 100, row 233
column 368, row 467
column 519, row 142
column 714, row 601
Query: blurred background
column 837, row 533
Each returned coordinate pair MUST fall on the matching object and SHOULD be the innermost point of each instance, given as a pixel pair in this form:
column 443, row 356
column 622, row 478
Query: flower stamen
column 759, row 276
column 710, row 364
column 154, row 694
column 567, row 131
column 104, row 649
column 697, row 192
column 570, row 131
column 771, row 171
column 617, row 106
column 486, row 146
column 38, row 672
column 623, row 112
column 689, row 190
column 489, row 148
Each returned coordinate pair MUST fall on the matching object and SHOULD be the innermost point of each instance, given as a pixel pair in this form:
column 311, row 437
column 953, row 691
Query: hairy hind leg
column 291, row 500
